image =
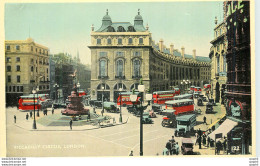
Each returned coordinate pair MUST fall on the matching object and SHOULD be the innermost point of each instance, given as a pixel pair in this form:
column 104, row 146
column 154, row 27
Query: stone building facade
column 27, row 66
column 218, row 58
column 122, row 54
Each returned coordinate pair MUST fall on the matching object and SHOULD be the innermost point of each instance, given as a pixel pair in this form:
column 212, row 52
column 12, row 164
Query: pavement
column 90, row 140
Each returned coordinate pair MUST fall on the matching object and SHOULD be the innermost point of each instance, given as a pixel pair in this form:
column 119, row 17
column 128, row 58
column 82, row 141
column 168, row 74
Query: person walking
column 70, row 124
column 94, row 110
column 204, row 139
column 52, row 110
column 46, row 111
column 199, row 132
column 225, row 144
column 14, row 118
column 131, row 153
column 30, row 114
column 165, row 151
column 169, row 146
column 199, row 140
column 204, row 119
column 177, row 148
column 208, row 141
column 27, row 116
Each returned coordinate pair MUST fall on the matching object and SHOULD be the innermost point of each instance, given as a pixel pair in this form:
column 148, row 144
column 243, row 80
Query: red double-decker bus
column 184, row 96
column 180, row 106
column 26, row 103
column 160, row 97
column 125, row 96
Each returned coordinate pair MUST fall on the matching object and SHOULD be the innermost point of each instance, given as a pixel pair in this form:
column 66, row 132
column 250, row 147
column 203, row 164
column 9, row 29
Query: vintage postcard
column 91, row 79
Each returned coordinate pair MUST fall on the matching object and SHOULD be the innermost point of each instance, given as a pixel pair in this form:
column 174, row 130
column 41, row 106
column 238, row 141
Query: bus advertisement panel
column 160, row 97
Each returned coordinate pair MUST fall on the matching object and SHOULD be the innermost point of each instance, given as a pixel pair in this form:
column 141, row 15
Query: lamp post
column 34, row 121
column 120, row 117
column 78, row 86
column 133, row 98
column 37, row 90
column 102, row 100
column 56, row 86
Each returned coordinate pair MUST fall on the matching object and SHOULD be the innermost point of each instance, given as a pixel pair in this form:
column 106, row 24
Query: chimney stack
column 182, row 52
column 161, row 45
column 92, row 27
column 171, row 48
column 194, row 53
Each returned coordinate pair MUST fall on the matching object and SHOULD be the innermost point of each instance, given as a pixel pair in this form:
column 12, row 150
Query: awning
column 214, row 123
column 224, row 128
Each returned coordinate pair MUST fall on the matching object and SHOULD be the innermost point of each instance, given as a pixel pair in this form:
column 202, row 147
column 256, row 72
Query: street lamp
column 133, row 98
column 78, row 86
column 102, row 99
column 37, row 90
column 120, row 118
column 34, row 122
column 56, row 86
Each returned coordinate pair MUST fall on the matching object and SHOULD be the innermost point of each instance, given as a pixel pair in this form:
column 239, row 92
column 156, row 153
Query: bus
column 184, row 96
column 177, row 91
column 82, row 93
column 125, row 96
column 192, row 88
column 197, row 89
column 160, row 97
column 26, row 103
column 180, row 106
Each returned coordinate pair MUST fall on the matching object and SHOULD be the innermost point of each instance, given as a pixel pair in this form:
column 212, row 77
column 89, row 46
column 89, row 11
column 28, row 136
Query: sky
column 66, row 27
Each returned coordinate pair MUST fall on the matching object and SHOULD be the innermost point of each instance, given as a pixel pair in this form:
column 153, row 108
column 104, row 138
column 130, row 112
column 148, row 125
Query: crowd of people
column 171, row 147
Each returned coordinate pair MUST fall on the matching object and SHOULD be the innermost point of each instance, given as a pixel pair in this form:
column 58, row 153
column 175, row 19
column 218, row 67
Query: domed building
column 122, row 53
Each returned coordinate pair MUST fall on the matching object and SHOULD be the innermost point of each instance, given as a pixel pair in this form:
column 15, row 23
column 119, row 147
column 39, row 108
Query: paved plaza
column 116, row 139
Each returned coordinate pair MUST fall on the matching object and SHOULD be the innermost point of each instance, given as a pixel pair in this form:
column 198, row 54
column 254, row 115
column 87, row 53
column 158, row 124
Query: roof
column 203, row 59
column 172, row 91
column 129, row 93
column 185, row 117
column 178, row 101
column 187, row 140
column 125, row 25
column 168, row 110
column 183, row 96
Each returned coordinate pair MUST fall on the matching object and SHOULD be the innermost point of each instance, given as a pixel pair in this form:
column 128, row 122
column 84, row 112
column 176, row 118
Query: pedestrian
column 70, row 124
column 225, row 144
column 204, row 119
column 208, row 141
column 177, row 148
column 14, row 118
column 52, row 110
column 30, row 114
column 169, row 146
column 218, row 146
column 131, row 153
column 199, row 132
column 46, row 111
column 196, row 136
column 27, row 116
column 204, row 139
column 94, row 110
column 199, row 140
column 172, row 140
column 102, row 112
column 165, row 151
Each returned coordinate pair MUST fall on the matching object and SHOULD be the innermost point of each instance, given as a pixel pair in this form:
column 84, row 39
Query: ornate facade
column 218, row 60
column 27, row 66
column 122, row 54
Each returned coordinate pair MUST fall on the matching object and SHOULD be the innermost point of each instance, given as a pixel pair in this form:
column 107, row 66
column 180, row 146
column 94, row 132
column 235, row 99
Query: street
column 117, row 140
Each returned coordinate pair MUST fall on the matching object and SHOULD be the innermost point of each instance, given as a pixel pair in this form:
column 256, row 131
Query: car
column 187, row 146
column 146, row 119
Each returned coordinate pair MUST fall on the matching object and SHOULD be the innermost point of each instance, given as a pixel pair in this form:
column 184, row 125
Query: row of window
column 103, row 68
column 17, row 48
column 120, row 41
column 119, row 53
column 8, row 59
column 9, row 68
column 18, row 78
column 14, row 89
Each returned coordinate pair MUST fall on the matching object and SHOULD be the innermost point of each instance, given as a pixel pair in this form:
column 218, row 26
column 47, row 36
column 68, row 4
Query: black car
column 59, row 105
column 157, row 108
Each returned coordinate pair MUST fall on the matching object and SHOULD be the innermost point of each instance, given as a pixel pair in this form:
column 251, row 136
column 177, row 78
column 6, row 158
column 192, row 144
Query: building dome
column 106, row 18
column 138, row 17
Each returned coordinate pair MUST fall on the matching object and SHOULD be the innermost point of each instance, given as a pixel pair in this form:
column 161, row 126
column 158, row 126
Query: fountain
column 75, row 107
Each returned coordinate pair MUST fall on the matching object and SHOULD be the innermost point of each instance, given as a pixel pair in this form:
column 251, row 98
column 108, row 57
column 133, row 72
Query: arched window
column 120, row 29
column 130, row 41
column 141, row 41
column 109, row 41
column 120, row 85
column 224, row 63
column 218, row 64
column 137, row 67
column 103, row 68
column 134, row 86
column 119, row 68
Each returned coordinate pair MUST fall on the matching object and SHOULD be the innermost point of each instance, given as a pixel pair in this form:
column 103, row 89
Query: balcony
column 102, row 77
column 137, row 77
column 120, row 77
